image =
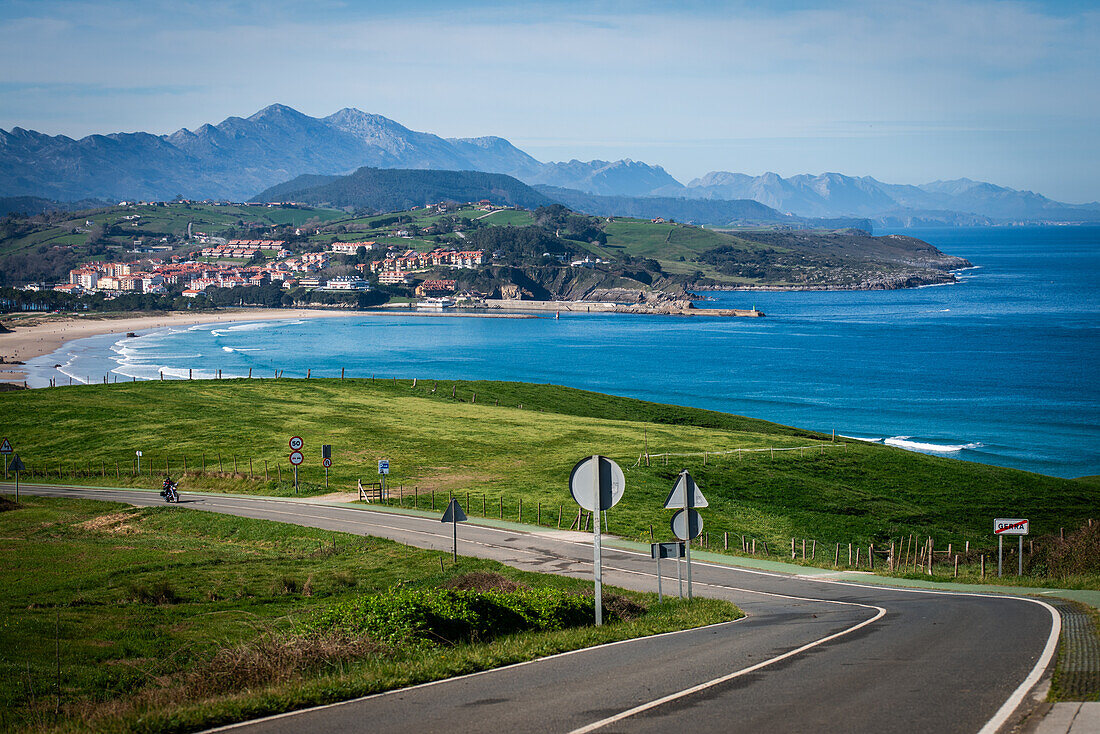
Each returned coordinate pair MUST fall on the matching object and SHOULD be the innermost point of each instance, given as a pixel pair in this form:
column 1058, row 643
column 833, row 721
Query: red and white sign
column 296, row 458
column 326, row 463
column 296, row 443
column 5, row 448
column 1010, row 526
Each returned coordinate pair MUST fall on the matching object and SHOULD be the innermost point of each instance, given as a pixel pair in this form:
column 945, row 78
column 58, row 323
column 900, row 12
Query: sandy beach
column 33, row 335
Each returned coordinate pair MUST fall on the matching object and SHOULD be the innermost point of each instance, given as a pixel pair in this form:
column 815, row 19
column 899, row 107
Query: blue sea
column 1000, row 368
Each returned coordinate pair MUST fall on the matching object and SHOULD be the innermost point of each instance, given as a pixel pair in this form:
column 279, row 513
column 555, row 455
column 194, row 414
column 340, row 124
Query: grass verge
column 159, row 619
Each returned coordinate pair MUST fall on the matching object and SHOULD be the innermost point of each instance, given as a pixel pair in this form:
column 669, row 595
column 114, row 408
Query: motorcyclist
column 168, row 489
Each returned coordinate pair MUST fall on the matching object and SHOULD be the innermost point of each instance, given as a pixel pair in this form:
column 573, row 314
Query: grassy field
column 156, row 221
column 506, row 450
column 162, row 619
column 675, row 246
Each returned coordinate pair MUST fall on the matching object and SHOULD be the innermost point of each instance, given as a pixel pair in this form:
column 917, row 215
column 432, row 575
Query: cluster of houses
column 117, row 277
column 244, row 248
column 302, row 270
column 411, row 260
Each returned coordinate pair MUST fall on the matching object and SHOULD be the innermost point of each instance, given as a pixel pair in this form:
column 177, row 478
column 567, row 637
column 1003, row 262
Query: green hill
column 392, row 189
column 481, row 442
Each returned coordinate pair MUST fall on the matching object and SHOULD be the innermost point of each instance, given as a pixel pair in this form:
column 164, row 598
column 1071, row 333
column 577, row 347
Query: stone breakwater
column 668, row 308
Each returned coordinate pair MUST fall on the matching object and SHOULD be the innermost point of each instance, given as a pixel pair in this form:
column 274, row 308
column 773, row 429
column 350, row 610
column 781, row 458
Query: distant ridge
column 240, row 156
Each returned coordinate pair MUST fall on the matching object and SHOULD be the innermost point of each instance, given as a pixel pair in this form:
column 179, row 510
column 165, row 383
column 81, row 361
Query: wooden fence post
column 266, row 477
column 559, row 516
column 502, row 507
column 519, row 513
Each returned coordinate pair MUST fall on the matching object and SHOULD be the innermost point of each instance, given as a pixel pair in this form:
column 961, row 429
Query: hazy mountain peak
column 276, row 111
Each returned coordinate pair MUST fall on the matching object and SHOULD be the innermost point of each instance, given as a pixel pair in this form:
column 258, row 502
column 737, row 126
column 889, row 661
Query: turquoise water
column 1001, row 368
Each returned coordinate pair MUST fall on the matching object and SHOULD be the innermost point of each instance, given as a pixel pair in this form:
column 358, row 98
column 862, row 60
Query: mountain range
column 239, row 157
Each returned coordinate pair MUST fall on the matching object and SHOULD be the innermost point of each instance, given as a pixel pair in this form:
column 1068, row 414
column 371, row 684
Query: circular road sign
column 611, row 482
column 296, row 443
column 326, row 463
column 296, row 458
column 687, row 524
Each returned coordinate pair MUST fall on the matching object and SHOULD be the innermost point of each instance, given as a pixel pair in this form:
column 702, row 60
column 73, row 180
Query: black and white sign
column 296, row 457
column 296, row 443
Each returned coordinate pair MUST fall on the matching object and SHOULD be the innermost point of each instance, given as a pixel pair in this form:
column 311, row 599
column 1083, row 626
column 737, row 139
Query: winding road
column 813, row 654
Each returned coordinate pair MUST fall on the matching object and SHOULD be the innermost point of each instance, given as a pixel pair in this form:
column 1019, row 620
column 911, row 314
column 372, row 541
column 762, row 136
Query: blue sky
column 903, row 91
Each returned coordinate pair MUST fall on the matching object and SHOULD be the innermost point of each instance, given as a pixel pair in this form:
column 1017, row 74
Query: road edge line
column 427, row 684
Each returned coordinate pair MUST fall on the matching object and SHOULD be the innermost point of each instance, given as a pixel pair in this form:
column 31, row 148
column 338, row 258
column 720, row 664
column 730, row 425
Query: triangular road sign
column 16, row 464
column 453, row 513
column 685, row 487
column 5, row 448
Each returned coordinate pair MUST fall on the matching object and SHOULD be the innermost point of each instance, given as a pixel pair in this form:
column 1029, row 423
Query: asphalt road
column 812, row 655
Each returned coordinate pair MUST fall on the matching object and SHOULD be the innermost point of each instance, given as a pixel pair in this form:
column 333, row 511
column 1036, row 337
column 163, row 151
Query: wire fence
column 647, row 458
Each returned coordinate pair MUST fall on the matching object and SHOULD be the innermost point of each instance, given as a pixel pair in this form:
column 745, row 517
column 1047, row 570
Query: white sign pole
column 679, row 576
column 1020, row 557
column 660, row 596
column 1000, row 553
column 689, row 495
column 596, row 560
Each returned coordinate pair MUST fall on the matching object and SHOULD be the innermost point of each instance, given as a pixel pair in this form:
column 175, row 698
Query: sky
column 905, row 91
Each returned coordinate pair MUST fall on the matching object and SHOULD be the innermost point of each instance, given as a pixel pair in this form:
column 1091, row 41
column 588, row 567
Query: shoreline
column 49, row 332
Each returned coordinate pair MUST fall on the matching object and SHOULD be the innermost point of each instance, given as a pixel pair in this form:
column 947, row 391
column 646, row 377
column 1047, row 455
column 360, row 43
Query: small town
column 220, row 266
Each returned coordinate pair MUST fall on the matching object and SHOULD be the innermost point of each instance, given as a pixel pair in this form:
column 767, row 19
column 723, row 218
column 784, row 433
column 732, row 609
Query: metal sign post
column 17, row 466
column 296, row 456
column 667, row 550
column 686, row 523
column 597, row 484
column 454, row 515
column 1010, row 526
column 138, row 455
column 383, row 470
column 326, row 460
column 6, row 449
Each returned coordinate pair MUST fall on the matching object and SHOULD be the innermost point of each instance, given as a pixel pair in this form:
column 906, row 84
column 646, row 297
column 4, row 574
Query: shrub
column 158, row 592
column 451, row 616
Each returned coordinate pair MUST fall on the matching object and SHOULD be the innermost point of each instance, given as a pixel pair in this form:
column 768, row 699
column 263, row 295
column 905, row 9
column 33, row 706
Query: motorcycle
column 170, row 493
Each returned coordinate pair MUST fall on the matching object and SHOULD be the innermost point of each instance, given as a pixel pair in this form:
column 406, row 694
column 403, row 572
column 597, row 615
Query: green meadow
column 506, row 450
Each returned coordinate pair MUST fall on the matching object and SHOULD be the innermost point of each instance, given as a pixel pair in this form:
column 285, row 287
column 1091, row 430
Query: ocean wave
column 906, row 442
column 861, row 438
column 253, row 326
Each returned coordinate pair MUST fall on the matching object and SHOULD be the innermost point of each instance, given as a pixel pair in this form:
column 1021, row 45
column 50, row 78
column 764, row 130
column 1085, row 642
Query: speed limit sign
column 296, row 443
column 326, row 463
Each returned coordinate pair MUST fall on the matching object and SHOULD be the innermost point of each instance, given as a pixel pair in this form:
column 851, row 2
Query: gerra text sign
column 1010, row 526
